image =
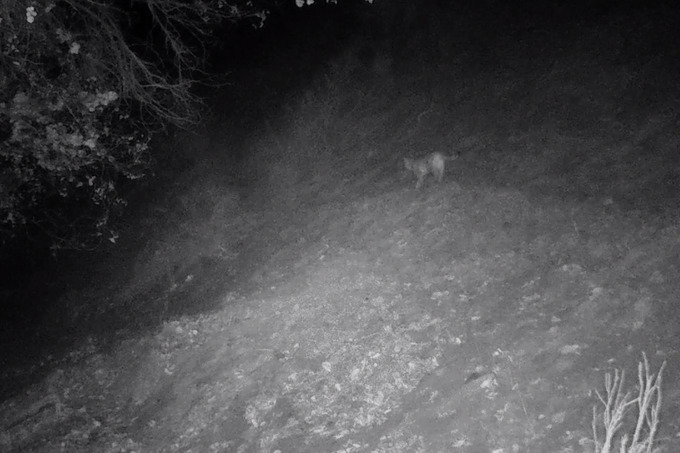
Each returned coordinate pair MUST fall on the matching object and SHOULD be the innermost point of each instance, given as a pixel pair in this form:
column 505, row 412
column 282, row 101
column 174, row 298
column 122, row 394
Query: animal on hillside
column 433, row 163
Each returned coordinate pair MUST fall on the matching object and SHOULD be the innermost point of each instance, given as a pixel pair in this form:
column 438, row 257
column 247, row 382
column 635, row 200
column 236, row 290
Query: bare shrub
column 616, row 406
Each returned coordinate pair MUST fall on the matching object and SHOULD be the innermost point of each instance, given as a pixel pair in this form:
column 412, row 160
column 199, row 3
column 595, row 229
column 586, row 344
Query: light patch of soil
column 471, row 319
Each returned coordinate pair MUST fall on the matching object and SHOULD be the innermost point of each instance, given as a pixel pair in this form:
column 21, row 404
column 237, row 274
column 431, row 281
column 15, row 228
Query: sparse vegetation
column 617, row 405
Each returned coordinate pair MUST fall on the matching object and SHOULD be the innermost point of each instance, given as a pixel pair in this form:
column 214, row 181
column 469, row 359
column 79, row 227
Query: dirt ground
column 323, row 304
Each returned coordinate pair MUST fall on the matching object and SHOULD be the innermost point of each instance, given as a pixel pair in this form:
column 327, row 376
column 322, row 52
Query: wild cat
column 434, row 163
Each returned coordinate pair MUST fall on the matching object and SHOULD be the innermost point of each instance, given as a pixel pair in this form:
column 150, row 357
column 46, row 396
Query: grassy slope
column 325, row 305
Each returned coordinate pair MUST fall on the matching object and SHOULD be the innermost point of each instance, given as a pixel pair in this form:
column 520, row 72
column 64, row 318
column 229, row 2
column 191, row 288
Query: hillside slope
column 309, row 299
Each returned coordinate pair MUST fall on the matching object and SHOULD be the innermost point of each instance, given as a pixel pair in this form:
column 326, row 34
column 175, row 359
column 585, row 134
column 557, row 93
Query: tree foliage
column 82, row 85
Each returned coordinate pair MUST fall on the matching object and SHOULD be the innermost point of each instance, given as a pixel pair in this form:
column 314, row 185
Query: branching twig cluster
column 158, row 70
column 150, row 52
column 616, row 404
